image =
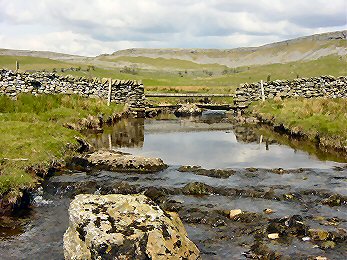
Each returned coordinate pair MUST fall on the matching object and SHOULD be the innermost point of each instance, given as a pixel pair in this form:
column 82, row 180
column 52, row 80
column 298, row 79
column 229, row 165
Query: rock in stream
column 124, row 227
column 123, row 162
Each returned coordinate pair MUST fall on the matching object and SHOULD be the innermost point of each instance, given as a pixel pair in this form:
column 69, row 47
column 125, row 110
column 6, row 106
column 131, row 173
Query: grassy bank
column 32, row 133
column 322, row 120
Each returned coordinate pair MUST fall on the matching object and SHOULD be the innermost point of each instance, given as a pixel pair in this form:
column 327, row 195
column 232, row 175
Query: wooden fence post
column 109, row 142
column 17, row 65
column 262, row 90
column 109, row 92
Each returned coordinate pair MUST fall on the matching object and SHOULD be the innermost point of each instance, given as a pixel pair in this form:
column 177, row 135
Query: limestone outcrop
column 124, row 227
column 117, row 161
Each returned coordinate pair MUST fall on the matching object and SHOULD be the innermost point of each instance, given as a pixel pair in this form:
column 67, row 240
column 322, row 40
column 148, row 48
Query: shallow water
column 208, row 142
column 211, row 142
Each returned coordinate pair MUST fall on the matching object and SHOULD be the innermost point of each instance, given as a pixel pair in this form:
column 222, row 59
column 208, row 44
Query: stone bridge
column 187, row 95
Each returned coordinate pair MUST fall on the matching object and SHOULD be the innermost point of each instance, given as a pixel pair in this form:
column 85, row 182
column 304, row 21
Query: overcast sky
column 92, row 27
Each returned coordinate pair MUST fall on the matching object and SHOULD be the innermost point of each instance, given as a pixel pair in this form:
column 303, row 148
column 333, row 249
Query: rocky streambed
column 239, row 192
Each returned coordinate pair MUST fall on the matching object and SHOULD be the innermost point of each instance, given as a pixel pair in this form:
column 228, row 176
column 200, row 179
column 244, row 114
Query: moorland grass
column 32, row 133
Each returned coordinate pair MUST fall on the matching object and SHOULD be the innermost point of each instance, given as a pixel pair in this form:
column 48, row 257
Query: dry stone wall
column 324, row 86
column 122, row 91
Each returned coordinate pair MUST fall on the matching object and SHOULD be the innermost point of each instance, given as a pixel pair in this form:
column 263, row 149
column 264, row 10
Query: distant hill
column 39, row 54
column 301, row 49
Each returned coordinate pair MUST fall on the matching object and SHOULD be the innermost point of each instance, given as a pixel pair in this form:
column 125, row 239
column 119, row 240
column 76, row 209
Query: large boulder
column 124, row 227
column 116, row 161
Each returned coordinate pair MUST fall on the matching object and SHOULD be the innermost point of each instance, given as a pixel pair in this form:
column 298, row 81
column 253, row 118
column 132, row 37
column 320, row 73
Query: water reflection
column 210, row 141
column 125, row 133
column 220, row 149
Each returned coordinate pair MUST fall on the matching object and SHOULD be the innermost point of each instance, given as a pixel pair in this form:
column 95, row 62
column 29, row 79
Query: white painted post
column 109, row 92
column 17, row 65
column 262, row 90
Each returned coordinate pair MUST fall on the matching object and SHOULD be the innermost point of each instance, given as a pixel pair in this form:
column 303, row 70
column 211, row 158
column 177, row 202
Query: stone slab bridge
column 187, row 95
column 195, row 95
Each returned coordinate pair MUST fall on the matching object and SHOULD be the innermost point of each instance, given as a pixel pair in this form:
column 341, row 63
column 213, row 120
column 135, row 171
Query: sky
column 93, row 27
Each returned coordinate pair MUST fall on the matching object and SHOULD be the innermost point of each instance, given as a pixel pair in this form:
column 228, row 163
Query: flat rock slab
column 188, row 110
column 124, row 227
column 116, row 161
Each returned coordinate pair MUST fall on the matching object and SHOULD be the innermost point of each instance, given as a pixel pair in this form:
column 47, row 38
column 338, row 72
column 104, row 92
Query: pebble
column 234, row 212
column 320, row 258
column 273, row 236
column 306, row 239
column 268, row 211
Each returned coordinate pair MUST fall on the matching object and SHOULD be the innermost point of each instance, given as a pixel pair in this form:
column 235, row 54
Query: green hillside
column 163, row 63
column 31, row 63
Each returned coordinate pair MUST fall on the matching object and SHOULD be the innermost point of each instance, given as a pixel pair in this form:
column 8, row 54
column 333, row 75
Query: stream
column 293, row 178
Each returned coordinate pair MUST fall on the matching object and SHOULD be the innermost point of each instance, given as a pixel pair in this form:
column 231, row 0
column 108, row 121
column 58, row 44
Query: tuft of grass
column 321, row 118
column 32, row 133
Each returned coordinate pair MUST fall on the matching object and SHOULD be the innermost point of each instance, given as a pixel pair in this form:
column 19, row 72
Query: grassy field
column 164, row 63
column 32, row 134
column 32, row 63
column 225, row 80
column 187, row 76
column 322, row 119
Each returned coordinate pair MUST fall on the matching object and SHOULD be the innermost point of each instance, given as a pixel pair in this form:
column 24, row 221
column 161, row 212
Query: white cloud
column 91, row 27
column 63, row 42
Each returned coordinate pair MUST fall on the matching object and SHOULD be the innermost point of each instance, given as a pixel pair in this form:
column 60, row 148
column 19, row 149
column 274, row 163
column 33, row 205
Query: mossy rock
column 197, row 188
